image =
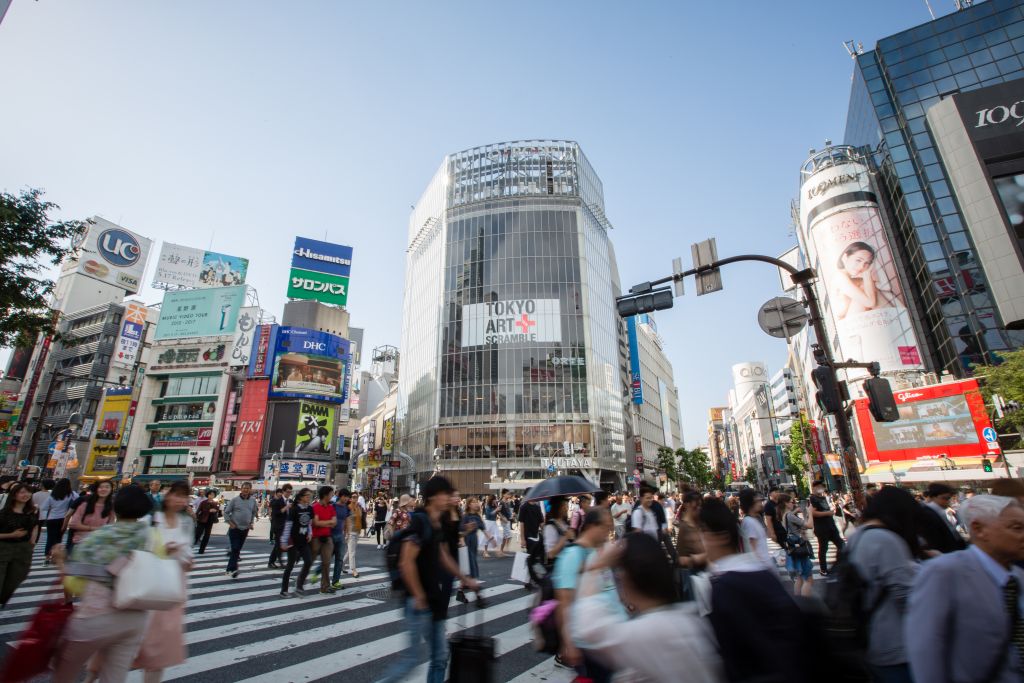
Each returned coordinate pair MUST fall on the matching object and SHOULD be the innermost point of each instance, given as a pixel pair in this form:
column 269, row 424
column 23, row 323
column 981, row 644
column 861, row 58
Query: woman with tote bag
column 164, row 645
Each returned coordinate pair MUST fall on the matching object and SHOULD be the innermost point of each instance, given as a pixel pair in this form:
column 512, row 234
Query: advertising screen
column 251, row 424
column 106, row 440
column 866, row 307
column 315, row 428
column 511, row 321
column 308, row 364
column 130, row 339
column 199, row 313
column 943, row 419
column 112, row 254
column 195, row 268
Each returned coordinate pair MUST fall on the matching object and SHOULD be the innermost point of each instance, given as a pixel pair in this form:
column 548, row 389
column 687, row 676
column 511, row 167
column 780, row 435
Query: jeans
column 339, row 558
column 472, row 542
column 236, row 537
column 203, row 530
column 378, row 528
column 830, row 533
column 299, row 549
column 15, row 563
column 53, row 534
column 423, row 631
column 276, row 529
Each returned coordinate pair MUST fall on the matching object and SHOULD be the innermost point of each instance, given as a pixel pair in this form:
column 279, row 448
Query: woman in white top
column 665, row 641
column 53, row 512
column 164, row 645
column 556, row 529
column 753, row 533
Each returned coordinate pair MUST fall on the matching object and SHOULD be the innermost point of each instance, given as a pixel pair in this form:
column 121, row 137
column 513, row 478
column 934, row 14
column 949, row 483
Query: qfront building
column 511, row 355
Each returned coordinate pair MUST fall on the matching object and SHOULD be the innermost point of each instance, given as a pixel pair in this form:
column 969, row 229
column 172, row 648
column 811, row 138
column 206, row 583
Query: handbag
column 519, row 569
column 38, row 643
column 796, row 545
column 149, row 582
column 464, row 559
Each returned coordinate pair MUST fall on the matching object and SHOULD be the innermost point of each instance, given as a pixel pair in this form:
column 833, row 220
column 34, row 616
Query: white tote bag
column 149, row 582
column 464, row 559
column 519, row 570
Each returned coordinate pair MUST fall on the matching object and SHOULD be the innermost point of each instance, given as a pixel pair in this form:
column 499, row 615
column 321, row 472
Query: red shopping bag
column 36, row 646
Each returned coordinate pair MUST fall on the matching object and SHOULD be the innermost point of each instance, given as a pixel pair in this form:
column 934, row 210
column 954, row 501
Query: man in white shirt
column 644, row 518
column 621, row 509
column 753, row 534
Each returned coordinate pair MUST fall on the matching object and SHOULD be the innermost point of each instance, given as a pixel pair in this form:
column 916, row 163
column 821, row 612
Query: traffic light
column 830, row 395
column 880, row 401
column 655, row 300
column 986, row 464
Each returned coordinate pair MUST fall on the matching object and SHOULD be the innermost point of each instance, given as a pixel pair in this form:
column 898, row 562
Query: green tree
column 1007, row 380
column 695, row 467
column 30, row 242
column 796, row 456
column 667, row 463
column 750, row 476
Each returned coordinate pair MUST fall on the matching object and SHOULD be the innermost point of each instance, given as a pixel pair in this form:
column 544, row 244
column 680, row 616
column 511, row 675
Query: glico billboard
column 939, row 420
column 308, row 364
column 865, row 305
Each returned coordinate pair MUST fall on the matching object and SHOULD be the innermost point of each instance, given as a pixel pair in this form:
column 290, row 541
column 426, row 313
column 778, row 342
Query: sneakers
column 234, row 574
column 461, row 596
column 336, row 585
column 299, row 593
column 285, row 594
column 314, row 578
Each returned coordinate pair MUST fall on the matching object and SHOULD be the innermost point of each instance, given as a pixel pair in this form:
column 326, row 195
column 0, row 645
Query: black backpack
column 393, row 552
column 847, row 622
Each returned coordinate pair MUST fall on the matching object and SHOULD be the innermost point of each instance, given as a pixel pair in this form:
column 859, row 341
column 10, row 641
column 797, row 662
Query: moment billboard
column 181, row 266
column 308, row 364
column 320, row 271
column 866, row 307
column 200, row 313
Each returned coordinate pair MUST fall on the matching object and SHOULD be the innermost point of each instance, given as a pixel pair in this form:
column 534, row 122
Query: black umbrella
column 566, row 485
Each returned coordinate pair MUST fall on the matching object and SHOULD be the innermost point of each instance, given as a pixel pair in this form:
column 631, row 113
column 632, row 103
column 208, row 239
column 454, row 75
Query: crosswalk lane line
column 324, row 633
column 545, row 671
column 328, row 665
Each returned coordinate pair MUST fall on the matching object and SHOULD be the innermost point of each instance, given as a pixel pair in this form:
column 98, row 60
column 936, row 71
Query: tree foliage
column 667, row 462
column 1007, row 380
column 750, row 476
column 30, row 242
column 695, row 467
column 796, row 456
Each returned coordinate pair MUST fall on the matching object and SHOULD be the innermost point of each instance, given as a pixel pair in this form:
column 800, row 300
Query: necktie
column 1011, row 594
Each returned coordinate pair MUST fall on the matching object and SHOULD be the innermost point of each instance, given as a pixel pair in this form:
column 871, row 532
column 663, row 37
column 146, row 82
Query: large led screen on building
column 308, row 364
column 865, row 305
column 512, row 321
column 944, row 419
column 315, row 430
column 200, row 313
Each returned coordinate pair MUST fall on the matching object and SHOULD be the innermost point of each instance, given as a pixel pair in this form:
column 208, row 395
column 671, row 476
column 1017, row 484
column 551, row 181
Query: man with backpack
column 422, row 565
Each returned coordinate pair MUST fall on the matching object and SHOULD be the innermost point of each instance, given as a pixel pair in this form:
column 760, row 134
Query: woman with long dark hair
column 52, row 513
column 18, row 534
column 95, row 513
column 885, row 551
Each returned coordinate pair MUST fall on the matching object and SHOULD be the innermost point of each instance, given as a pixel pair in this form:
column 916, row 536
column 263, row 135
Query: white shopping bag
column 519, row 570
column 464, row 559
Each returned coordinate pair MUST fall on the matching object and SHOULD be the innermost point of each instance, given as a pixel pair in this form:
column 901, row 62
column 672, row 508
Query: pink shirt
column 95, row 519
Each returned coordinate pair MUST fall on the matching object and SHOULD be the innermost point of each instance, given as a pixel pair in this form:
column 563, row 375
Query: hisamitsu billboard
column 322, row 257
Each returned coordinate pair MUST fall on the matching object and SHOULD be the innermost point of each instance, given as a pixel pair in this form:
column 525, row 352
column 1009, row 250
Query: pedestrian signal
column 829, row 394
column 880, row 400
column 986, row 465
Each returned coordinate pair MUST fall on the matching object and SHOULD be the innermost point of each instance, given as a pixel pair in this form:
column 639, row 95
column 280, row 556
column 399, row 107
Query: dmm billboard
column 199, row 313
column 943, row 419
column 308, row 364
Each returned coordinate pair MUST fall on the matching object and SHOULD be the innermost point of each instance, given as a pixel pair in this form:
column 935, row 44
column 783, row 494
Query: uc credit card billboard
column 308, row 364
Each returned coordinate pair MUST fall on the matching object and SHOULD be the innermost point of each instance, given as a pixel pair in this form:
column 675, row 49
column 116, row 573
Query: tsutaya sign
column 511, row 321
column 566, row 463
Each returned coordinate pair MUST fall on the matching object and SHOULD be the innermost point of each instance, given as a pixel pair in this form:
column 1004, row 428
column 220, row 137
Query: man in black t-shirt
column 278, row 514
column 825, row 528
column 531, row 519
column 775, row 529
column 426, row 564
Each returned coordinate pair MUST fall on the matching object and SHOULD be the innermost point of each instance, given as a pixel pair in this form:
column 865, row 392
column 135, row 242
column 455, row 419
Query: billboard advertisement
column 636, row 385
column 194, row 268
column 111, row 254
column 322, row 257
column 181, row 437
column 939, row 420
column 252, row 420
column 199, row 313
column 322, row 287
column 315, row 428
column 133, row 326
column 865, row 304
column 106, row 439
column 511, row 321
column 308, row 364
column 260, row 359
column 295, row 469
column 241, row 346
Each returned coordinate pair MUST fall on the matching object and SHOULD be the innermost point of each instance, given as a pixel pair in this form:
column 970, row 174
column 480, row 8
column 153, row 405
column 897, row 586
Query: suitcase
column 472, row 654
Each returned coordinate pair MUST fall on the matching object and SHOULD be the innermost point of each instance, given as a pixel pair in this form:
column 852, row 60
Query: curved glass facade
column 510, row 336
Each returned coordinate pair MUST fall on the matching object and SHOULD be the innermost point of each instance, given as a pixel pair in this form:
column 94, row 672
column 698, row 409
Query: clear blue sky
column 241, row 124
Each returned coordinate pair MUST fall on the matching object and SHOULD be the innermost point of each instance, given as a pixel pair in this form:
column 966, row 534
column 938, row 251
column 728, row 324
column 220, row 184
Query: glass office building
column 894, row 87
column 511, row 365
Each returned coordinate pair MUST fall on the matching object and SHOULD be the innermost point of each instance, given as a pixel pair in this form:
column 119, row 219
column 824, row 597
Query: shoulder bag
column 149, row 582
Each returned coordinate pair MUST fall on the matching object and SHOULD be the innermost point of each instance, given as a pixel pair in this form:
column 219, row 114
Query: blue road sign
column 990, row 435
column 52, row 448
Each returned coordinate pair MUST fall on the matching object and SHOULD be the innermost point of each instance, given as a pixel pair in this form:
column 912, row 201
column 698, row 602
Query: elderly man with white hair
column 965, row 622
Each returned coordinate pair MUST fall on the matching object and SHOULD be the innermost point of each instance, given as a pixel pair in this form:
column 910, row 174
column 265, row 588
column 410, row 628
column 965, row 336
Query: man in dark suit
column 965, row 620
column 934, row 525
column 531, row 519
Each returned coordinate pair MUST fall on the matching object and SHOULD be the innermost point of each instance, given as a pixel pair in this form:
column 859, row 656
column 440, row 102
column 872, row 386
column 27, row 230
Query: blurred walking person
column 296, row 539
column 380, row 513
column 53, row 513
column 325, row 519
column 95, row 513
column 206, row 516
column 240, row 514
column 356, row 519
column 278, row 516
